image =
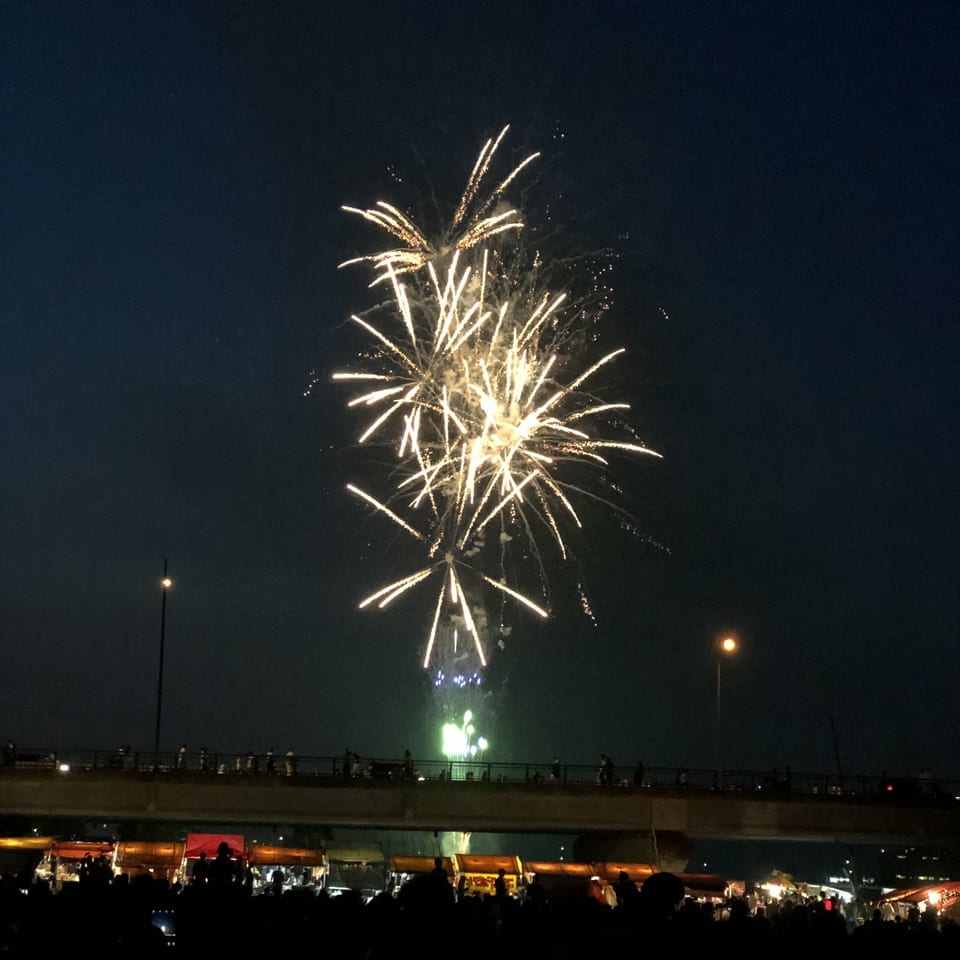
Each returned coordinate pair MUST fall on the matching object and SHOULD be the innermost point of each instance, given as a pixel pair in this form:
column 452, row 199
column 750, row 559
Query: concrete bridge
column 610, row 821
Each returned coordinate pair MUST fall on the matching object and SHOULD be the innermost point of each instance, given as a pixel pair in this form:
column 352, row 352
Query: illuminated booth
column 476, row 874
column 137, row 858
column 559, row 878
column 67, row 857
column 300, row 867
column 207, row 845
column 943, row 898
column 360, row 869
column 404, row 869
column 22, row 857
column 608, row 873
column 707, row 887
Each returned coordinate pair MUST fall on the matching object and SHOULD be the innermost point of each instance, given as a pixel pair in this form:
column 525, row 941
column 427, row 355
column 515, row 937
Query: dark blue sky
column 782, row 186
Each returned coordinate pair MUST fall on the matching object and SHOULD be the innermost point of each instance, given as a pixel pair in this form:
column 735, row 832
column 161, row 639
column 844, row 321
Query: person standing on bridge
column 9, row 755
column 605, row 773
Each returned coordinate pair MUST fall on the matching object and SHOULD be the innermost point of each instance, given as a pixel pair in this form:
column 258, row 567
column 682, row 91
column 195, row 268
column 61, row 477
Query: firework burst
column 470, row 381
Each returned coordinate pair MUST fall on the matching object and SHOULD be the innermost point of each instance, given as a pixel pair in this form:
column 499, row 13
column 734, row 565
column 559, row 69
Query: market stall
column 163, row 860
column 22, row 856
column 297, row 866
column 476, row 874
column 72, row 860
column 402, row 869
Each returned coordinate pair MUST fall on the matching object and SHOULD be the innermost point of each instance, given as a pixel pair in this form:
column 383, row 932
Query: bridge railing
column 332, row 770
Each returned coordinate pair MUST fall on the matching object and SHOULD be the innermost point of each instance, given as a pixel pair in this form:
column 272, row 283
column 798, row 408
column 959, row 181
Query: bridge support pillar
column 667, row 850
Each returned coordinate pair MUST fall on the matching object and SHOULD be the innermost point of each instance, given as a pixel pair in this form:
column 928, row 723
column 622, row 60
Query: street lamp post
column 165, row 584
column 726, row 647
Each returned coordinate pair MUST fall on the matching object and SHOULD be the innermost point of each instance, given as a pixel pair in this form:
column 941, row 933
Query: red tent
column 207, row 843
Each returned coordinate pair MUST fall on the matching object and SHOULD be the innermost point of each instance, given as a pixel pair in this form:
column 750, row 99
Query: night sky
column 780, row 183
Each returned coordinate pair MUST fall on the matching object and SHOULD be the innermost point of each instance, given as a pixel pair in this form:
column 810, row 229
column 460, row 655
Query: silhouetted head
column 662, row 893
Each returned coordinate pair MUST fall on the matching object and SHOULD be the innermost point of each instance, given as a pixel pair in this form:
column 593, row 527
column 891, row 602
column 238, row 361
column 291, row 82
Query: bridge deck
column 512, row 806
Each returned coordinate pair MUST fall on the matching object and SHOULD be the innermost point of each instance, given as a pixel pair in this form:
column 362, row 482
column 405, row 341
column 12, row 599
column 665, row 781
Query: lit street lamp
column 165, row 584
column 726, row 647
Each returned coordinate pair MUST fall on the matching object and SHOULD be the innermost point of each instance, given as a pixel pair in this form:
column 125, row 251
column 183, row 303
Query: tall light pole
column 726, row 647
column 165, row 584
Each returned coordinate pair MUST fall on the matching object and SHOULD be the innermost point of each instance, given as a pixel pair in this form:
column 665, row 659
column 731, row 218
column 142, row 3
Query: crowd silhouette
column 217, row 915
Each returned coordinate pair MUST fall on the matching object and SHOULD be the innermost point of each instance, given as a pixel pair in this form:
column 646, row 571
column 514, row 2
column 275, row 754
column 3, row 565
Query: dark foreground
column 120, row 919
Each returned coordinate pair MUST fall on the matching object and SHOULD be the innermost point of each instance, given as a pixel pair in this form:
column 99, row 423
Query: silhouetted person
column 200, row 870
column 500, row 885
column 535, row 891
column 439, row 872
column 638, row 774
column 222, row 872
column 626, row 890
column 440, row 883
column 661, row 896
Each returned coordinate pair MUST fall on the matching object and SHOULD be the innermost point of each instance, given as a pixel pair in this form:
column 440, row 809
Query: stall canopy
column 560, row 876
column 943, row 894
column 417, row 865
column 133, row 856
column 354, row 855
column 78, row 849
column 22, row 855
column 260, row 854
column 610, row 871
column 207, row 844
column 26, row 843
column 704, row 885
column 557, row 868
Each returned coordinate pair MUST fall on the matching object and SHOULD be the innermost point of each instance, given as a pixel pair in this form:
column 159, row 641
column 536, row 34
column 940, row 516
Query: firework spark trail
column 467, row 381
column 469, row 226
